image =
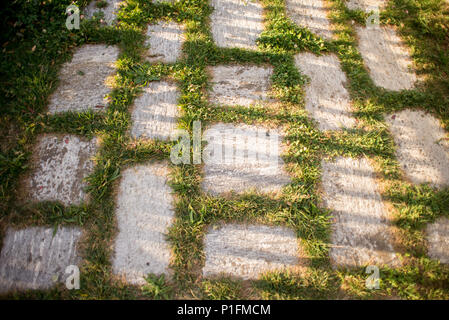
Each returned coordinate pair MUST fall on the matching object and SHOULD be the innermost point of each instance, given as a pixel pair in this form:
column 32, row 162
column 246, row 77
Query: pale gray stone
column 165, row 41
column 366, row 5
column 34, row 258
column 144, row 214
column 156, row 111
column 236, row 23
column 61, row 164
column 422, row 146
column 109, row 12
column 247, row 251
column 327, row 99
column 438, row 239
column 361, row 231
column 84, row 81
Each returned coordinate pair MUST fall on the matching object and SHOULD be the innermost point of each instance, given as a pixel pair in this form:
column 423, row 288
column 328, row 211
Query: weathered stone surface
column 386, row 58
column 438, row 240
column 246, row 251
column 361, row 232
column 327, row 99
column 165, row 41
column 155, row 111
column 422, row 146
column 236, row 23
column 83, row 81
column 33, row 258
column 61, row 164
column 240, row 85
column 144, row 213
column 240, row 158
column 311, row 14
column 366, row 5
column 109, row 12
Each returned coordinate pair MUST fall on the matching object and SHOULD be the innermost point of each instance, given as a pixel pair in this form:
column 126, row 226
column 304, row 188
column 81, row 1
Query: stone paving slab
column 311, row 14
column 386, row 58
column 422, row 146
column 61, row 164
column 156, row 111
column 438, row 239
column 327, row 99
column 236, row 23
column 361, row 233
column 246, row 251
column 165, row 40
column 33, row 258
column 110, row 11
column 83, row 81
column 242, row 157
column 240, row 85
column 144, row 214
column 366, row 5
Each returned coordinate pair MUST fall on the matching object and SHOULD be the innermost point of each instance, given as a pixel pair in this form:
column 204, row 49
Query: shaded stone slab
column 109, row 12
column 311, row 14
column 240, row 85
column 437, row 235
column 422, row 146
column 164, row 41
column 327, row 99
column 361, row 232
column 236, row 23
column 33, row 258
column 156, row 111
column 83, row 82
column 144, row 214
column 242, row 158
column 60, row 165
column 366, row 5
column 246, row 251
column 386, row 58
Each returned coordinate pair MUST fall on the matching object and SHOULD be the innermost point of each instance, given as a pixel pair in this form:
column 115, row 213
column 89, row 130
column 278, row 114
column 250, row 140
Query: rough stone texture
column 361, row 231
column 82, row 81
column 422, row 146
column 311, row 14
column 246, row 251
column 242, row 157
column 386, row 58
column 438, row 240
column 240, row 85
column 155, row 111
column 327, row 99
column 236, row 23
column 165, row 41
column 32, row 258
column 110, row 11
column 366, row 5
column 61, row 164
column 144, row 213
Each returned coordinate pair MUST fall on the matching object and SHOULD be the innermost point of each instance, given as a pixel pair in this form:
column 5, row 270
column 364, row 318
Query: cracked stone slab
column 60, row 165
column 422, row 146
column 109, row 12
column 236, row 23
column 361, row 231
column 386, row 58
column 164, row 40
column 327, row 99
column 241, row 157
column 246, row 251
column 85, row 81
column 311, row 14
column 437, row 234
column 156, row 111
column 34, row 259
column 240, row 85
column 366, row 5
column 144, row 214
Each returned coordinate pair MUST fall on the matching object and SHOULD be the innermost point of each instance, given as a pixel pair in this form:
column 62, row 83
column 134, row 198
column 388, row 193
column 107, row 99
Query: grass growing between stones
column 23, row 116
